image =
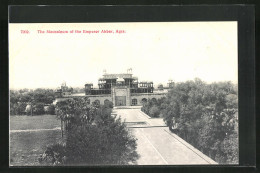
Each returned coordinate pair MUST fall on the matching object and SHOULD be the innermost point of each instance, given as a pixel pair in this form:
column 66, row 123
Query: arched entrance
column 144, row 100
column 120, row 100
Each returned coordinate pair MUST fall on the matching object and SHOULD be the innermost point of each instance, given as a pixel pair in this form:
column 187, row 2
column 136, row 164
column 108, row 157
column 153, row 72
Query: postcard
column 125, row 93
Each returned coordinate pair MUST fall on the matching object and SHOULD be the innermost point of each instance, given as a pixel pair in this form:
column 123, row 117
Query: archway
column 106, row 101
column 144, row 100
column 154, row 100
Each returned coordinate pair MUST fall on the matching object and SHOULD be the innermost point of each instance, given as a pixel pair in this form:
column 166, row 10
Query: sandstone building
column 122, row 89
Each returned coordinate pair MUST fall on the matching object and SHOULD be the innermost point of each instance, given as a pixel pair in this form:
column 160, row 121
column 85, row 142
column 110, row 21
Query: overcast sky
column 155, row 51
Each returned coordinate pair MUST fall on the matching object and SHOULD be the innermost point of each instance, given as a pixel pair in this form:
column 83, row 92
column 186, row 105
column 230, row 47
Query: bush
column 152, row 107
column 230, row 147
column 108, row 104
column 38, row 109
column 18, row 109
column 54, row 155
column 154, row 111
column 50, row 110
column 13, row 109
column 145, row 108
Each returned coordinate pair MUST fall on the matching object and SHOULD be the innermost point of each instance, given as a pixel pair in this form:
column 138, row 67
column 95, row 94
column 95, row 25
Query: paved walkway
column 156, row 145
column 33, row 130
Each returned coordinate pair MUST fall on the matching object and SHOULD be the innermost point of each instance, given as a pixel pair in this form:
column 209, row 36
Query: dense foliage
column 92, row 136
column 205, row 115
column 31, row 102
column 154, row 108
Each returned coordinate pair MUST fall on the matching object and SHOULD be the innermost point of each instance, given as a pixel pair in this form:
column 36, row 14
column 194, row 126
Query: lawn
column 26, row 146
column 34, row 122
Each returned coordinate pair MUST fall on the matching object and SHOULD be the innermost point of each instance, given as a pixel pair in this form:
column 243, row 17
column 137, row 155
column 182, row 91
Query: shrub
column 21, row 108
column 54, row 155
column 154, row 111
column 50, row 110
column 38, row 109
column 108, row 104
column 13, row 109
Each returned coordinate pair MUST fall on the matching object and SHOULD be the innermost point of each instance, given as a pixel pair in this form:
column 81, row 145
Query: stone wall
column 92, row 98
column 101, row 98
column 122, row 92
column 140, row 97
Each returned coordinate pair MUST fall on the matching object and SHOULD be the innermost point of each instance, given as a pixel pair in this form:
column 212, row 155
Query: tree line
column 32, row 102
column 205, row 115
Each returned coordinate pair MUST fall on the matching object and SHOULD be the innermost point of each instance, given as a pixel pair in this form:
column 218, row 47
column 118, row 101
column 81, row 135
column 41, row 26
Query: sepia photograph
column 123, row 93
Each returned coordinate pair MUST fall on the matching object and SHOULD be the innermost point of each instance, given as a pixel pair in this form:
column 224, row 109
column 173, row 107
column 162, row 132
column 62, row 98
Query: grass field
column 26, row 146
column 34, row 122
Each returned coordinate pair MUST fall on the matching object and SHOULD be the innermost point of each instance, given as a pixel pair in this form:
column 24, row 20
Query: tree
column 232, row 100
column 106, row 142
column 14, row 97
column 21, row 108
column 154, row 111
column 205, row 116
column 36, row 98
column 26, row 97
column 108, row 104
column 38, row 108
column 50, row 110
column 93, row 136
column 153, row 107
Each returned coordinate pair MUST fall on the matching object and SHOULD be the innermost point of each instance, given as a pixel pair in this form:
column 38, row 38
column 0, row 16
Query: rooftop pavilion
column 108, row 81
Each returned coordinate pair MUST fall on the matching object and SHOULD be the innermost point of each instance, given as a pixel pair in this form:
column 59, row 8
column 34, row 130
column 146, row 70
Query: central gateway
column 122, row 89
column 121, row 95
column 120, row 100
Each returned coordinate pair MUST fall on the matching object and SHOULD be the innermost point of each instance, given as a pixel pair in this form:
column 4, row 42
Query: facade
column 122, row 89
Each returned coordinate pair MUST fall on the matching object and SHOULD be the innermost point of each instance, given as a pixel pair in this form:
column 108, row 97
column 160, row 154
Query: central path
column 156, row 145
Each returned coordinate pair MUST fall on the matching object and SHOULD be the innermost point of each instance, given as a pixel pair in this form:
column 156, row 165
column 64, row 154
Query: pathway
column 156, row 145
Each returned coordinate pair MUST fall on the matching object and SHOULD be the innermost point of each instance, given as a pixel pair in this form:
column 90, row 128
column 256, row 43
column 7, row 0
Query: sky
column 156, row 51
